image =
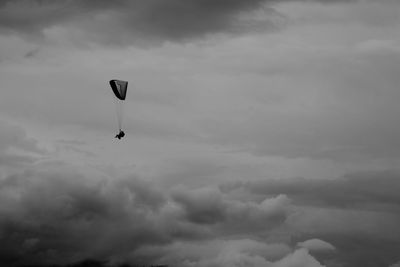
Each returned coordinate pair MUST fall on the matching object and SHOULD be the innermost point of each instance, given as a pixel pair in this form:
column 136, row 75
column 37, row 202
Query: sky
column 259, row 133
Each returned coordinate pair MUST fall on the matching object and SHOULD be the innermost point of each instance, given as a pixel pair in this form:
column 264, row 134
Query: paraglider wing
column 119, row 88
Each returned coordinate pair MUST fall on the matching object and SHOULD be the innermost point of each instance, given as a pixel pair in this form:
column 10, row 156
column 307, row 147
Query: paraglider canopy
column 119, row 88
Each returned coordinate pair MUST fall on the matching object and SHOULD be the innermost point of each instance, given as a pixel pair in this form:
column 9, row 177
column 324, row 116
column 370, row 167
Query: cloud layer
column 159, row 20
column 138, row 22
column 52, row 216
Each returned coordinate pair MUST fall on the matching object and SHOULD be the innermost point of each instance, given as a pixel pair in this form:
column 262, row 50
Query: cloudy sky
column 259, row 133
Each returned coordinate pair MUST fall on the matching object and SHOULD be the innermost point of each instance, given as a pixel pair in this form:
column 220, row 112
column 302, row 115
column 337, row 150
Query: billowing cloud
column 50, row 214
column 208, row 206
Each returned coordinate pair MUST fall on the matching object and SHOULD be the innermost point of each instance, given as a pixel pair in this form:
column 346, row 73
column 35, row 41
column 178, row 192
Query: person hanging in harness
column 120, row 134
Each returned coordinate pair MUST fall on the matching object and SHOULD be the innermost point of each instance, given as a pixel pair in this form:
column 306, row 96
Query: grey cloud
column 321, row 250
column 256, row 217
column 14, row 136
column 359, row 250
column 343, row 106
column 74, row 146
column 201, row 170
column 357, row 214
column 79, row 151
column 361, row 238
column 171, row 20
column 235, row 252
column 50, row 214
column 32, row 53
column 375, row 190
column 16, row 148
column 71, row 217
column 71, row 142
column 28, row 17
column 300, row 257
column 155, row 20
column 11, row 160
column 208, row 206
column 202, row 206
column 143, row 192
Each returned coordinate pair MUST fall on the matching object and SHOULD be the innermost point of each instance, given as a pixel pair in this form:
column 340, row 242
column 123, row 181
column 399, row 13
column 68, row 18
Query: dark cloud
column 31, row 17
column 162, row 20
column 50, row 214
column 126, row 21
column 57, row 217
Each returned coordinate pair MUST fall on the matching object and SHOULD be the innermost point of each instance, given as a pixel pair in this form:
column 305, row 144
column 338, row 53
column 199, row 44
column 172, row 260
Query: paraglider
column 119, row 88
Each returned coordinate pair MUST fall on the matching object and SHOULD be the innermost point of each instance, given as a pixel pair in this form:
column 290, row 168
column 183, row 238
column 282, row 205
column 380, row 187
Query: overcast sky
column 258, row 132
